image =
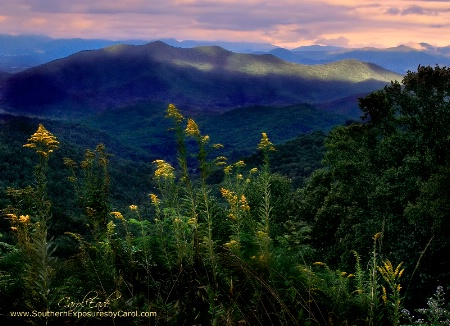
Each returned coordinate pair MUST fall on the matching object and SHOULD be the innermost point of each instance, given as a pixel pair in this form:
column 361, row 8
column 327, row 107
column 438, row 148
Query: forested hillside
column 276, row 238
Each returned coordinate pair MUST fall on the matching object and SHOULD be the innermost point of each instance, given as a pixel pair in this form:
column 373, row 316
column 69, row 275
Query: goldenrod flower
column 265, row 144
column 253, row 170
column 261, row 234
column 230, row 196
column 319, row 263
column 133, row 207
column 231, row 244
column 239, row 164
column 221, row 160
column 13, row 228
column 384, row 296
column 43, row 141
column 12, row 216
column 154, row 199
column 192, row 129
column 118, row 215
column 244, row 204
column 217, row 146
column 232, row 216
column 228, row 169
column 350, row 275
column 192, row 220
column 69, row 162
column 205, row 139
column 25, row 219
column 177, row 220
column 376, row 236
column 172, row 112
column 164, row 170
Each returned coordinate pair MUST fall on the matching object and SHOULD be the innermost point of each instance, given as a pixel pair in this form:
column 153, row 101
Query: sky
column 284, row 23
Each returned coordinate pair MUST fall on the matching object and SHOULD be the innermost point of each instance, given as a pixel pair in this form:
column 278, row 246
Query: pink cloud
column 284, row 22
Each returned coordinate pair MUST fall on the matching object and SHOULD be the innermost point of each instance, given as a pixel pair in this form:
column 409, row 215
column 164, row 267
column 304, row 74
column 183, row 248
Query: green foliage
column 214, row 242
column 388, row 174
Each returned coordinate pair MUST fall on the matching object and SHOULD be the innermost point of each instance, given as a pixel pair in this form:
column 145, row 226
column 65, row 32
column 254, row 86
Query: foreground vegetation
column 226, row 243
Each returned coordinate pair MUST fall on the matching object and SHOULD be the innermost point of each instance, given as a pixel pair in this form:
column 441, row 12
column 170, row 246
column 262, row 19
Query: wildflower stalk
column 182, row 158
column 32, row 232
column 234, row 193
column 263, row 233
column 392, row 298
column 373, row 297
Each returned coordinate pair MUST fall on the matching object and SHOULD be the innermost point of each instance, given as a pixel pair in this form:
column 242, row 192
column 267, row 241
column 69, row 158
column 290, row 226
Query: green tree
column 388, row 174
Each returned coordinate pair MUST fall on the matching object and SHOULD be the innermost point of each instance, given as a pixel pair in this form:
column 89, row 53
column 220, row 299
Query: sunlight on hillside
column 203, row 66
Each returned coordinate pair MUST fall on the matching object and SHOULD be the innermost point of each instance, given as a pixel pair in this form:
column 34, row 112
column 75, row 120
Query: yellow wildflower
column 217, row 146
column 164, row 170
column 177, row 220
column 232, row 216
column 384, row 296
column 253, row 170
column 239, row 164
column 376, row 236
column 12, row 216
column 205, row 139
column 192, row 129
column 133, row 207
column 118, row 215
column 25, row 219
column 192, row 220
column 244, row 204
column 319, row 263
column 13, row 228
column 350, row 275
column 221, row 160
column 228, row 169
column 265, row 144
column 154, row 199
column 397, row 270
column 240, row 177
column 43, row 141
column 230, row 196
column 343, row 274
column 231, row 244
column 172, row 112
column 261, row 234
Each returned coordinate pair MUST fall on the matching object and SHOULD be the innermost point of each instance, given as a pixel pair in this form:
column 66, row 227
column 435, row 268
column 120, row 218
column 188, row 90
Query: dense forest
column 348, row 228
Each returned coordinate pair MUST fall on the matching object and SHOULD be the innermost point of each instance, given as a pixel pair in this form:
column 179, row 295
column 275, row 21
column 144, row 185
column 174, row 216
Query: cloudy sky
column 286, row 23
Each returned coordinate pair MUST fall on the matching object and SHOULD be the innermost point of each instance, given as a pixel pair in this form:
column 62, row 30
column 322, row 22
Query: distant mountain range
column 196, row 78
column 399, row 59
column 21, row 52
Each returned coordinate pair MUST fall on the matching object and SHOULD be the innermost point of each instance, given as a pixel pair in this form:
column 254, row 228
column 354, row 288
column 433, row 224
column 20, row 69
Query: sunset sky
column 286, row 23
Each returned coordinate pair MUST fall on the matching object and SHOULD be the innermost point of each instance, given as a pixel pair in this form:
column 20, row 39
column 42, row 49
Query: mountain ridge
column 208, row 76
